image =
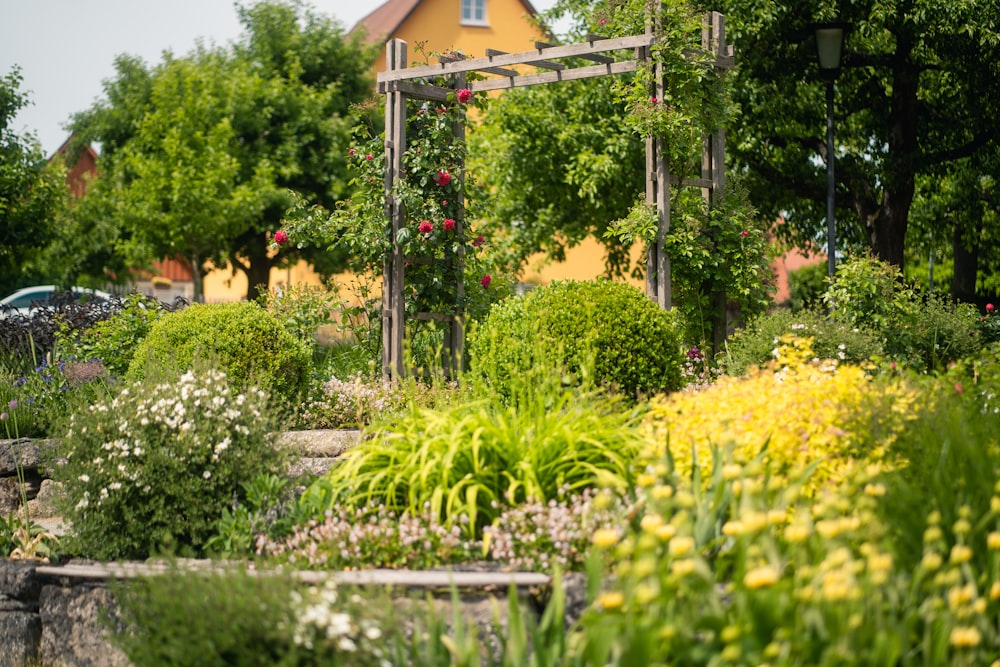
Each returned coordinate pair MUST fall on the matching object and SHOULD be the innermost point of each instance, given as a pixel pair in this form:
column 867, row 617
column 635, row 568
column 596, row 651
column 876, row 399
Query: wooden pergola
column 557, row 63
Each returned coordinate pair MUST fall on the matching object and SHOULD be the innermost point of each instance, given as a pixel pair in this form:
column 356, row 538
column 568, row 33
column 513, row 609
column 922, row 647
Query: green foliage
column 241, row 338
column 463, row 462
column 204, row 618
column 755, row 344
column 114, row 341
column 31, row 194
column 200, row 153
column 806, row 287
column 301, row 308
column 150, row 469
column 633, row 344
column 925, row 333
column 266, row 507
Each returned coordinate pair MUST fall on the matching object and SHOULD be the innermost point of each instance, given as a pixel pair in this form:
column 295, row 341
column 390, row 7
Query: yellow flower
column 662, row 491
column 797, row 532
column 965, row 637
column 731, row 471
column 666, row 531
column 875, row 490
column 605, row 537
column 681, row 546
column 993, row 541
column 995, row 591
column 962, row 527
column 644, row 567
column 754, row 522
column 683, row 567
column 960, row 554
column 932, row 534
column 732, row 528
column 651, row 522
column 931, row 561
column 645, row 593
column 761, row 577
column 645, row 479
column 610, row 600
column 959, row 596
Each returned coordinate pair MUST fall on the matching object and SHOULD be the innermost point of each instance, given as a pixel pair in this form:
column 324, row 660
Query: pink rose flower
column 426, row 227
column 478, row 241
column 485, row 282
column 281, row 237
column 745, row 233
column 464, row 95
column 442, row 178
column 351, row 152
column 368, row 157
column 989, row 308
column 449, row 225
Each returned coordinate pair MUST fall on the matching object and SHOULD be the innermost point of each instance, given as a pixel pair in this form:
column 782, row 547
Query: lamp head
column 830, row 46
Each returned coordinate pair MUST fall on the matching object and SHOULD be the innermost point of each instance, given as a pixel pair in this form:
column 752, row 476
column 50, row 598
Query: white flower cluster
column 196, row 419
column 319, row 621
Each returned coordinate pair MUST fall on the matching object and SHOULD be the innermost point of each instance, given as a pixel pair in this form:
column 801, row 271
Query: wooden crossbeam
column 545, row 64
column 586, row 56
column 522, row 58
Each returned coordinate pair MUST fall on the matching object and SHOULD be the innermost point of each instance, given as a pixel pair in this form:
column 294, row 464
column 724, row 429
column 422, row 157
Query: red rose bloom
column 989, row 308
column 464, row 95
column 485, row 282
column 449, row 225
column 426, row 227
column 442, row 178
column 281, row 237
column 479, row 240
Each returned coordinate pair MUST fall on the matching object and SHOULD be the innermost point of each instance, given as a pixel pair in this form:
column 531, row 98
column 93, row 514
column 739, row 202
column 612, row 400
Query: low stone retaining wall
column 317, row 452
column 51, row 614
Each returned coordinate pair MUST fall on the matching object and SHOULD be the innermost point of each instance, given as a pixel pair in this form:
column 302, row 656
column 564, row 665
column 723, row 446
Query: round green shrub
column 151, row 469
column 611, row 328
column 241, row 338
column 754, row 345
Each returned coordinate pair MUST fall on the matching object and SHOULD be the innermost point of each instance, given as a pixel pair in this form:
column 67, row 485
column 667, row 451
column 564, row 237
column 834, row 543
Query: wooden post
column 713, row 170
column 658, row 281
column 393, row 307
column 454, row 334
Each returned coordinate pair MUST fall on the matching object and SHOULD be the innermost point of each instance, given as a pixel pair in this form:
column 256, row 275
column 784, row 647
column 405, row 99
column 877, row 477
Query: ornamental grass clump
column 151, row 468
column 474, row 458
column 800, row 409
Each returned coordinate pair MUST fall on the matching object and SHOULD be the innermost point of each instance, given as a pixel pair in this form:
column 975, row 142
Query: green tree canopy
column 31, row 193
column 916, row 99
column 200, row 153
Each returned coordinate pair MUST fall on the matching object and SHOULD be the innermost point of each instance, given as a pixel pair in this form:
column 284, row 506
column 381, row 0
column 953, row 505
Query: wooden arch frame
column 399, row 83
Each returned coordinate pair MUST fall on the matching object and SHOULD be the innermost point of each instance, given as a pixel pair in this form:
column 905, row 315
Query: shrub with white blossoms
column 336, row 629
column 151, row 469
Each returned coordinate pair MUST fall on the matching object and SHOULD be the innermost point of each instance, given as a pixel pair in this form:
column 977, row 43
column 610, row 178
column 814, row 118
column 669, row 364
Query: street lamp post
column 829, row 48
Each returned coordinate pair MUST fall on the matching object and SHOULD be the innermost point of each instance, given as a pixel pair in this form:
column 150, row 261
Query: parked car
column 23, row 300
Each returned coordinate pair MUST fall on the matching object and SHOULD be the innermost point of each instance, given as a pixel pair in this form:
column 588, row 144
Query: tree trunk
column 198, row 278
column 888, row 233
column 966, row 252
column 258, row 273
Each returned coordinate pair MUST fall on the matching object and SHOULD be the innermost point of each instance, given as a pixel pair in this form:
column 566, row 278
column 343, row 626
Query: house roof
column 386, row 19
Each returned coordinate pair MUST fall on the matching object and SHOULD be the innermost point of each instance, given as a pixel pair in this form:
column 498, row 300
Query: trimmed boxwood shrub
column 629, row 342
column 241, row 338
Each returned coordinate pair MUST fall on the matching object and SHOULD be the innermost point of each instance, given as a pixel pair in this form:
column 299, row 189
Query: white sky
column 66, row 48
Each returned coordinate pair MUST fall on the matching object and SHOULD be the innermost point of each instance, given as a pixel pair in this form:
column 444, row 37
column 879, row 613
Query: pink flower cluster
column 281, row 237
column 442, row 178
column 464, row 95
column 426, row 227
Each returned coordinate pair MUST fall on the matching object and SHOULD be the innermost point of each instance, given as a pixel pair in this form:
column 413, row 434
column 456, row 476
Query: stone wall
column 58, row 615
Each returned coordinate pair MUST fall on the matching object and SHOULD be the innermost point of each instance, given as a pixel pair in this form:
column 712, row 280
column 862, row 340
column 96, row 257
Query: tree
column 200, row 153
column 31, row 193
column 917, row 93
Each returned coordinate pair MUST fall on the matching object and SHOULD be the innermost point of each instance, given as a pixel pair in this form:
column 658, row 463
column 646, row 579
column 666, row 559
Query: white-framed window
column 474, row 12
